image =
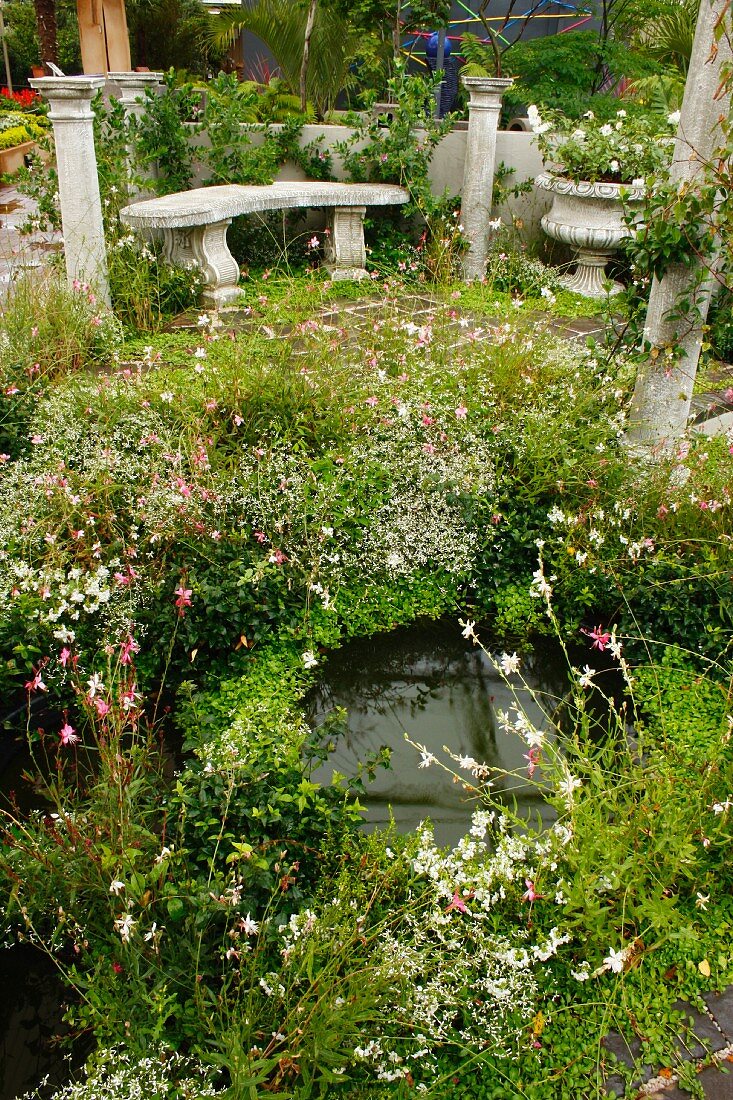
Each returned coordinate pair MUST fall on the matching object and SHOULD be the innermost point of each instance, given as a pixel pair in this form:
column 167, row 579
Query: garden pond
column 430, row 684
column 427, row 683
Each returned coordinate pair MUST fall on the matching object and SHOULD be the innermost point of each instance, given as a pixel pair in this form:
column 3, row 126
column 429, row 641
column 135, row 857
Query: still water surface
column 440, row 689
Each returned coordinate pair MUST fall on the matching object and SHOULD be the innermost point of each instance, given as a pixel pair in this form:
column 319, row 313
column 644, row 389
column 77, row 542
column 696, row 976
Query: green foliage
column 624, row 149
column 22, row 38
column 281, row 26
column 162, row 136
column 247, row 501
column 563, row 71
column 173, row 33
column 49, row 332
column 401, row 153
column 17, row 135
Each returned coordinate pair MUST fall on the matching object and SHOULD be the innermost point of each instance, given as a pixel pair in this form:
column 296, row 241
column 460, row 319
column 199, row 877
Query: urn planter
column 590, row 218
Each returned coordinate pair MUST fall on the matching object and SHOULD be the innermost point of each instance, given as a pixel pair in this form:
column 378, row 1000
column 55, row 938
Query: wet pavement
column 18, row 251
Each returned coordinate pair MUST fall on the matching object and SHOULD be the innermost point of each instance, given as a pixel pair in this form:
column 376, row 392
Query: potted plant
column 595, row 168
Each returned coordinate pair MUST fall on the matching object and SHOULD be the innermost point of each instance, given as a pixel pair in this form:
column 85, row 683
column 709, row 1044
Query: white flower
column 150, row 936
column 606, row 130
column 95, row 684
column 535, row 121
column 568, row 785
column 199, row 353
column 167, row 397
column 116, row 887
column 674, row 118
column 614, row 165
column 535, row 739
column 203, row 320
column 125, row 925
column 249, row 926
column 615, row 960
column 309, row 659
column 585, row 679
column 426, row 759
column 509, row 664
column 468, row 629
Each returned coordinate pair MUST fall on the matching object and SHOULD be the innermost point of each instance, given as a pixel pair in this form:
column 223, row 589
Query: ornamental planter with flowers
column 597, row 171
column 21, row 124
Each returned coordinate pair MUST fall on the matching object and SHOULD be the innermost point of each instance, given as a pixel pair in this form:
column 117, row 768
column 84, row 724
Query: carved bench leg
column 345, row 251
column 206, row 246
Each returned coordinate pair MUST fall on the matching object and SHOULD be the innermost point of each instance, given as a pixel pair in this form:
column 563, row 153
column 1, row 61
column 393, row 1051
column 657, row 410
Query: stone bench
column 194, row 225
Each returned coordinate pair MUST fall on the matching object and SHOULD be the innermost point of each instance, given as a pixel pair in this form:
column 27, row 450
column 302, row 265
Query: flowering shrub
column 194, row 523
column 624, row 149
column 25, row 98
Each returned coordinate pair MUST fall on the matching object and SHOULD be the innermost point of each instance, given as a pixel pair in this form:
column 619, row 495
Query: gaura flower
column 68, row 735
column 184, row 599
column 600, row 637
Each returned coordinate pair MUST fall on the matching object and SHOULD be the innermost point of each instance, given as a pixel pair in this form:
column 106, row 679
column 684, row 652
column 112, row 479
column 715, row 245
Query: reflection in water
column 433, row 685
column 30, row 1021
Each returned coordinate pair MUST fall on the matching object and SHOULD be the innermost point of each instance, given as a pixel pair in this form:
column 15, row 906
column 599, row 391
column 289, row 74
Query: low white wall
column 515, row 150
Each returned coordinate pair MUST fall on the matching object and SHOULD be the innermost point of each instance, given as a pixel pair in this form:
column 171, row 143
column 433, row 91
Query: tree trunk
column 46, row 23
column 664, row 385
column 306, row 54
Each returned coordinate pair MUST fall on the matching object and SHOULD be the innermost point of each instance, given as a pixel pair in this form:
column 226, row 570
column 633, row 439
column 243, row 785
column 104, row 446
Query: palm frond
column 280, row 24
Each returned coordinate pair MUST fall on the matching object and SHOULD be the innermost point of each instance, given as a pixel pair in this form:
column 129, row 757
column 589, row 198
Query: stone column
column 478, row 171
column 131, row 88
column 70, row 99
column 661, row 403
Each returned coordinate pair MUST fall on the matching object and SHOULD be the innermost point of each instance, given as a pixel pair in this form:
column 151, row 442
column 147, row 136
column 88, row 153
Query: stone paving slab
column 701, row 1035
column 19, row 252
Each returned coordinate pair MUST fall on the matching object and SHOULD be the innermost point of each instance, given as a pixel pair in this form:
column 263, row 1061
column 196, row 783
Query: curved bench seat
column 194, row 224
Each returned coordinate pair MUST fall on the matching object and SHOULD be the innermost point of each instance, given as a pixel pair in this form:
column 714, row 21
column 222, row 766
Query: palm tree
column 312, row 47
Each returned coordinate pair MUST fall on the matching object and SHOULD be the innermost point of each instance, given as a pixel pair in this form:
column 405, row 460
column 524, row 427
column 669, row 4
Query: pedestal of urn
column 590, row 218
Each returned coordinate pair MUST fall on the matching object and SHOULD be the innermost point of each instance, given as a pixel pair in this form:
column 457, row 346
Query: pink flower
column 277, row 557
column 260, row 536
column 128, row 648
column 64, row 656
column 461, row 412
column 600, row 637
column 530, row 893
column 458, row 903
column 68, row 735
column 313, row 242
column 533, row 759
column 36, row 684
column 371, row 402
column 184, row 599
column 101, row 706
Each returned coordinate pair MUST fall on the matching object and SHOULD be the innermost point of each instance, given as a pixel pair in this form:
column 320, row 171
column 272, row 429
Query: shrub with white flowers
column 623, row 149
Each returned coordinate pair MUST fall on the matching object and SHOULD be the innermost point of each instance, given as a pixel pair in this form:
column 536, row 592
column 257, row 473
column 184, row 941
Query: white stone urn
column 590, row 218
